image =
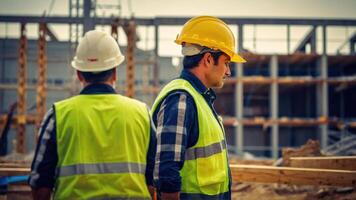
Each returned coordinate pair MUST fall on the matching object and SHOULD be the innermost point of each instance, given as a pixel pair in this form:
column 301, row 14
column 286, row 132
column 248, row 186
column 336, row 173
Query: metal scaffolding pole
column 325, row 47
column 239, row 129
column 115, row 35
column 21, row 92
column 274, row 106
column 130, row 30
column 165, row 21
column 240, row 38
column 322, row 98
column 239, row 134
column 288, row 39
column 42, row 75
column 156, row 67
column 88, row 23
column 74, row 6
column 352, row 42
column 114, row 32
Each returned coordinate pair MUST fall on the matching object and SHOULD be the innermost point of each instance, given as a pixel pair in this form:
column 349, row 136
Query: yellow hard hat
column 210, row 32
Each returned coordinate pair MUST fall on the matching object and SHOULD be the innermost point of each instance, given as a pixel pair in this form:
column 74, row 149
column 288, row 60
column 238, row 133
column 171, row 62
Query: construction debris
column 311, row 148
column 258, row 191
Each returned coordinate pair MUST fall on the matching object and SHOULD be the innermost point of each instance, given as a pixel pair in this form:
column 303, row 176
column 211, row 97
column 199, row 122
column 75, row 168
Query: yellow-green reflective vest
column 205, row 170
column 102, row 144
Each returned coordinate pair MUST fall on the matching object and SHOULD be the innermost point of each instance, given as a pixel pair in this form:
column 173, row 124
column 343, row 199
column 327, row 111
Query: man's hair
column 190, row 62
column 103, row 76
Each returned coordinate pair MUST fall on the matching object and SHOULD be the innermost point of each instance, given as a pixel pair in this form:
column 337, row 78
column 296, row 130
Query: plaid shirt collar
column 208, row 94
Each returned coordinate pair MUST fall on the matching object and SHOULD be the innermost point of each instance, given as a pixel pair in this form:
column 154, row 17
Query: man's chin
column 219, row 85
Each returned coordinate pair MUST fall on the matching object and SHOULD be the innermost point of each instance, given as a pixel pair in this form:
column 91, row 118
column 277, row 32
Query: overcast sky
column 258, row 38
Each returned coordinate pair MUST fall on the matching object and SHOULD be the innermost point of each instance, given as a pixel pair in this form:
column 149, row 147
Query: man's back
column 101, row 147
column 96, row 144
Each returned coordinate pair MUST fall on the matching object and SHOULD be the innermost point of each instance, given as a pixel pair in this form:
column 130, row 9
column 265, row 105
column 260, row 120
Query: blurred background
column 298, row 82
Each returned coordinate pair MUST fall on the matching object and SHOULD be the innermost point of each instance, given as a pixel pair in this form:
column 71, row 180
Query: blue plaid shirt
column 43, row 169
column 177, row 129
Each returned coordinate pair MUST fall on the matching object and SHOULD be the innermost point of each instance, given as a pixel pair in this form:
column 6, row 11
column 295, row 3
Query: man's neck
column 111, row 83
column 200, row 75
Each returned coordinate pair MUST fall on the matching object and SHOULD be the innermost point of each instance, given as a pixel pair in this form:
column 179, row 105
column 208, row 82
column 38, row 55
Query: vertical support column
column 21, row 92
column 313, row 40
column 240, row 38
column 130, row 30
column 77, row 24
column 146, row 89
column 73, row 42
column 239, row 100
column 352, row 47
column 325, row 47
column 274, row 106
column 288, row 39
column 42, row 75
column 115, row 35
column 239, row 135
column 70, row 7
column 156, row 78
column 322, row 98
column 114, row 32
column 88, row 23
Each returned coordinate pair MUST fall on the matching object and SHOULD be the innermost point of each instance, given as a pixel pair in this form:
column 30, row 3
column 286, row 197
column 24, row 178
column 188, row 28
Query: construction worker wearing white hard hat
column 94, row 145
column 191, row 158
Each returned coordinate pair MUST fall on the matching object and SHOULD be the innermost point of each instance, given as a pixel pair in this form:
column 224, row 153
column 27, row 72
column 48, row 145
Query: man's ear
column 80, row 76
column 114, row 75
column 207, row 59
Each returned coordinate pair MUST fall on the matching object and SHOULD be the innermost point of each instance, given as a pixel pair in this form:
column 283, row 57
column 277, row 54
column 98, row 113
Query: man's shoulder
column 132, row 101
column 176, row 94
column 64, row 101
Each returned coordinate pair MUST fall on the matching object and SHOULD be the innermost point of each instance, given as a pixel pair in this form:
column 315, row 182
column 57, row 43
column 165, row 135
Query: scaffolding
column 261, row 79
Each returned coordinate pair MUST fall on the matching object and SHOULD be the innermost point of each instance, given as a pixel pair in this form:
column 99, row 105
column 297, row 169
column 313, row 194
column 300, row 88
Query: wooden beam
column 334, row 162
column 291, row 175
column 14, row 171
column 283, row 121
column 14, row 165
column 265, row 174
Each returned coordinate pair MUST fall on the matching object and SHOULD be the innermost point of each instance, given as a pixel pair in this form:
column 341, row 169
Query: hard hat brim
column 84, row 67
column 237, row 59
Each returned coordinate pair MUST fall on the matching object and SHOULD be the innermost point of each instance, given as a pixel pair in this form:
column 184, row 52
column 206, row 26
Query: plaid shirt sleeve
column 44, row 164
column 151, row 153
column 177, row 130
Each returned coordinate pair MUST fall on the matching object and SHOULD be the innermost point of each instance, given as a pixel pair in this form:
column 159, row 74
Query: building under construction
column 272, row 102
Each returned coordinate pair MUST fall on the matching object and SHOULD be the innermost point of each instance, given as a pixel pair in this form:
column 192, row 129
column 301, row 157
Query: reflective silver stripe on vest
column 204, row 152
column 102, row 168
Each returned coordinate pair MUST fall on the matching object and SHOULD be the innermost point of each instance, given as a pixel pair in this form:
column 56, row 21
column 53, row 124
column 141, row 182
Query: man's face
column 218, row 72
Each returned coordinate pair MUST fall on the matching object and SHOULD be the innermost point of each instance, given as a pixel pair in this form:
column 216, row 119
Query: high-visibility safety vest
column 102, row 144
column 205, row 170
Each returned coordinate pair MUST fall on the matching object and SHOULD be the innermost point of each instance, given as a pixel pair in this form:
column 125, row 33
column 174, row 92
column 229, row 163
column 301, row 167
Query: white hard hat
column 97, row 52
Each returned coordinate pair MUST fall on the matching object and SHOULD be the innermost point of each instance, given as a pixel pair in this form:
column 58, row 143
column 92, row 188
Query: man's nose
column 228, row 71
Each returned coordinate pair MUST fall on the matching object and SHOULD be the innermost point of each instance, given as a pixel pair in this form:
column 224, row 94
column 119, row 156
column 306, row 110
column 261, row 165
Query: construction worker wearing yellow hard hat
column 94, row 145
column 191, row 158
